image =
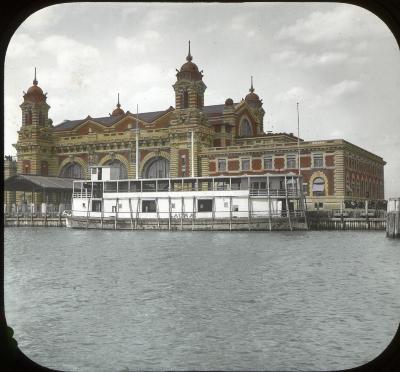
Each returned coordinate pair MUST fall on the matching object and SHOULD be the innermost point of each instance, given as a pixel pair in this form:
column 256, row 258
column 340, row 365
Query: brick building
column 227, row 139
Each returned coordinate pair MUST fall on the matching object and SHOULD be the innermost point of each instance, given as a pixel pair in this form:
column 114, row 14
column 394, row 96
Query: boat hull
column 226, row 224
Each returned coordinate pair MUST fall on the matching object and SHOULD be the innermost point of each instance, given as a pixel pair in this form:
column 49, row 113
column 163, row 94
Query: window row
column 268, row 162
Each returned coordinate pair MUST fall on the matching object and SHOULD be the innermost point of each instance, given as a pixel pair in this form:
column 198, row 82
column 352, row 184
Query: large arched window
column 157, row 167
column 245, row 128
column 72, row 170
column 123, row 172
column 318, row 187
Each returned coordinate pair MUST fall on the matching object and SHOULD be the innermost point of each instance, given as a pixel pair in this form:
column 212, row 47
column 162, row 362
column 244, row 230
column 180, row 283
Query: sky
column 339, row 61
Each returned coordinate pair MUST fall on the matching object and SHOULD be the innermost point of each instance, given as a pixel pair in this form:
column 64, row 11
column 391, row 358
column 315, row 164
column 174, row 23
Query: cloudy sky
column 341, row 63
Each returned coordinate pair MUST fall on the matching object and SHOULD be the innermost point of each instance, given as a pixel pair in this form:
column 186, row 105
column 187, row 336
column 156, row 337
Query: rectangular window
column 221, row 165
column 113, row 209
column 268, row 162
column 149, row 206
column 94, row 170
column 245, row 164
column 205, row 205
column 318, row 160
column 291, row 161
column 235, row 208
column 96, row 205
column 110, row 187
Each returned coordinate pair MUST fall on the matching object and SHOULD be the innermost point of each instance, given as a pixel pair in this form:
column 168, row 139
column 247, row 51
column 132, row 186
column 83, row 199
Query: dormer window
column 245, row 128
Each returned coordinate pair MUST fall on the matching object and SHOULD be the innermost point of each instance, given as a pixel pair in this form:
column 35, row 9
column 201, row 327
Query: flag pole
column 137, row 142
column 298, row 136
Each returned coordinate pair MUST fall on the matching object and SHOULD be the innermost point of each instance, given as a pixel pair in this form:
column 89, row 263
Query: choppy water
column 113, row 300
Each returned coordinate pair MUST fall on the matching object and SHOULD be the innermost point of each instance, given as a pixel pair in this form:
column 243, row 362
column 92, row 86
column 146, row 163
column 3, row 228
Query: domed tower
column 34, row 108
column 255, row 105
column 189, row 87
column 189, row 129
column 118, row 110
column 35, row 139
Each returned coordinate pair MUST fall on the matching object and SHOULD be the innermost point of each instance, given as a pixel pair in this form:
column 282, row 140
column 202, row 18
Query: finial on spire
column 118, row 104
column 251, row 88
column 35, row 82
column 189, row 56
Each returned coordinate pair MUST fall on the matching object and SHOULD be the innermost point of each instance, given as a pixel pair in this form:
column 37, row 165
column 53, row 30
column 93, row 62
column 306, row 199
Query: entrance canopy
column 24, row 182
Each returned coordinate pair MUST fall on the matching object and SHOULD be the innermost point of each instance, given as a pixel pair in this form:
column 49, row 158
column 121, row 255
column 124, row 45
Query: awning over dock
column 24, row 182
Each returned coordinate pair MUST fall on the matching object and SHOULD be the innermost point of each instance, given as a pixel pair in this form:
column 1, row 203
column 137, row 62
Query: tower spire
column 251, row 88
column 35, row 82
column 118, row 104
column 189, row 56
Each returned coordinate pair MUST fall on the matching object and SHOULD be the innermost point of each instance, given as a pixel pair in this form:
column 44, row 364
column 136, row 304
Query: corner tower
column 189, row 87
column 190, row 132
column 34, row 146
column 34, row 108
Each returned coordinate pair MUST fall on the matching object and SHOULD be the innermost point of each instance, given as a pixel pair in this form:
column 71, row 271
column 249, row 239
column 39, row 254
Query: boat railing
column 252, row 192
column 274, row 192
column 82, row 195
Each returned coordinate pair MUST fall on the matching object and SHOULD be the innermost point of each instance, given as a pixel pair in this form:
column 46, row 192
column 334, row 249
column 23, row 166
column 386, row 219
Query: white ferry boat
column 245, row 202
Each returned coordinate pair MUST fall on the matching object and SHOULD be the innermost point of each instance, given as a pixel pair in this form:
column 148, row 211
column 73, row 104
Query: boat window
column 205, row 185
column 97, row 189
column 205, row 205
column 123, row 186
column 135, row 186
column 162, row 185
column 235, row 208
column 149, row 206
column 235, row 184
column 96, row 205
column 110, row 187
column 149, row 185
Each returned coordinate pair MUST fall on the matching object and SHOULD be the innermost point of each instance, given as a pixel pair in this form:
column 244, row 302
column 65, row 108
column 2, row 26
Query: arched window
column 157, row 167
column 123, row 172
column 185, row 99
column 72, row 170
column 41, row 118
column 245, row 128
column 28, row 117
column 318, row 187
column 199, row 101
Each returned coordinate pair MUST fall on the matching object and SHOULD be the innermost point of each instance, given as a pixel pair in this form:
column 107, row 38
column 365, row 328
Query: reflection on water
column 147, row 300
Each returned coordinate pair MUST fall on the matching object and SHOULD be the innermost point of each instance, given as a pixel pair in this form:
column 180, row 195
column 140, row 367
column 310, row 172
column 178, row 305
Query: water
column 114, row 300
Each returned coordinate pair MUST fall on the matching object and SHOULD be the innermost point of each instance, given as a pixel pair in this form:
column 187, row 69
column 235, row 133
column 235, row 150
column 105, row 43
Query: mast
column 298, row 136
column 137, row 142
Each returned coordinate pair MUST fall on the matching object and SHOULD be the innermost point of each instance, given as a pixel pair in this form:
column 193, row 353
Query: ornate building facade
column 192, row 139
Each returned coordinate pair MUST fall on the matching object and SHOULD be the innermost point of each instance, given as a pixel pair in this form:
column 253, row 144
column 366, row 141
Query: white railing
column 82, row 195
column 274, row 192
